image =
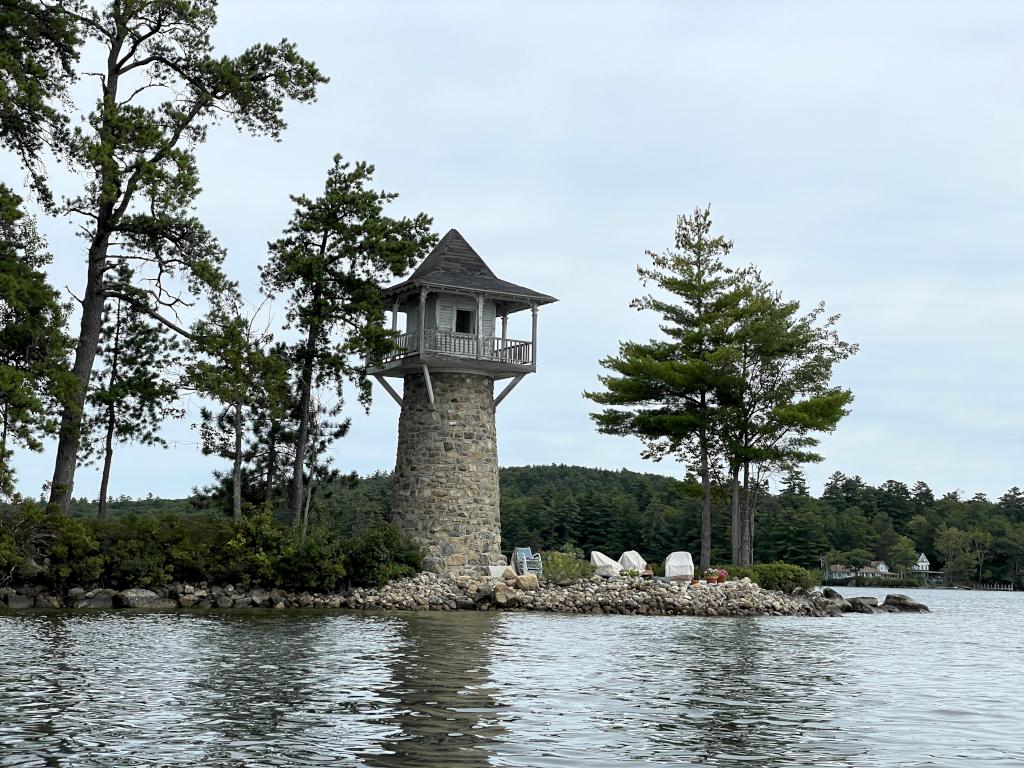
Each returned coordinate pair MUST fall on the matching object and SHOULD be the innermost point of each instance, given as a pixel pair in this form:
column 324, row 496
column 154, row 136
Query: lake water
column 468, row 689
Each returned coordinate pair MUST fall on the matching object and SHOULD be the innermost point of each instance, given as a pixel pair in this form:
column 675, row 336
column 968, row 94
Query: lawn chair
column 524, row 561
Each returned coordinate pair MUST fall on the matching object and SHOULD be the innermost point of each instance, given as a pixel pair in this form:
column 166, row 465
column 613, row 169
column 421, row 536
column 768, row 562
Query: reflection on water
column 442, row 693
column 306, row 689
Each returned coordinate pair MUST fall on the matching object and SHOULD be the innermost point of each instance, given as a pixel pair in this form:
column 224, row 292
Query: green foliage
column 253, row 554
column 566, row 565
column 331, row 263
column 780, row 576
column 379, row 554
column 34, row 380
column 73, row 555
column 160, row 90
column 38, row 49
column 151, row 550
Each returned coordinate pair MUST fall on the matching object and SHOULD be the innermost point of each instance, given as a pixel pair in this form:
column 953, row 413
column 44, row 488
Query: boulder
column 187, row 601
column 528, row 582
column 47, row 601
column 74, row 594
column 508, row 572
column 98, row 600
column 868, row 601
column 831, row 594
column 904, row 603
column 142, row 598
column 223, row 601
column 19, row 602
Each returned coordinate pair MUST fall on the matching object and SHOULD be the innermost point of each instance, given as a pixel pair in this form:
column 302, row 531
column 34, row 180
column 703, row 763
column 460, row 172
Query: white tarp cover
column 679, row 564
column 631, row 561
column 605, row 565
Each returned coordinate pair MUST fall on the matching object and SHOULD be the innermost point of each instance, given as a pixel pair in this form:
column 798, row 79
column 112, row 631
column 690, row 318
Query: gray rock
column 98, row 600
column 862, row 601
column 75, row 593
column 19, row 602
column 223, row 601
column 143, row 598
column 904, row 603
column 47, row 601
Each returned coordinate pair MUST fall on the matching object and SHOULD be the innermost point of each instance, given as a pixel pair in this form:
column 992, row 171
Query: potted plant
column 723, row 576
column 711, row 575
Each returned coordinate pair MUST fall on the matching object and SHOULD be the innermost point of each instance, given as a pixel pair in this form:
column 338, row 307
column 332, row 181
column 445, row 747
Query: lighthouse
column 453, row 348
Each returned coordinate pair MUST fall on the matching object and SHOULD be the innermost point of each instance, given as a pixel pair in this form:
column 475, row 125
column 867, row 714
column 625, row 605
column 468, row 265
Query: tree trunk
column 108, row 443
column 66, row 462
column 737, row 520
column 298, row 465
column 108, row 455
column 746, row 527
column 305, row 510
column 236, row 471
column 268, row 486
column 705, row 510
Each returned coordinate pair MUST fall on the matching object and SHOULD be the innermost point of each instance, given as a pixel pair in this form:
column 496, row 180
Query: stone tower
column 449, row 355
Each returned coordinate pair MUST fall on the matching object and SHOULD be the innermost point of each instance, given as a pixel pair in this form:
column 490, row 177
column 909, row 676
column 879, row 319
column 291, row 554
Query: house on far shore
column 836, row 572
column 876, row 570
column 922, row 569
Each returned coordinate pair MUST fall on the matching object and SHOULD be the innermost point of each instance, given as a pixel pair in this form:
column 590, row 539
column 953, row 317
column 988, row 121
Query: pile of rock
column 429, row 592
column 891, row 604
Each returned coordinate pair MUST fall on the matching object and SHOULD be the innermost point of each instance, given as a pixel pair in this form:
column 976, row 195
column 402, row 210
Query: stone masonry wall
column 446, row 474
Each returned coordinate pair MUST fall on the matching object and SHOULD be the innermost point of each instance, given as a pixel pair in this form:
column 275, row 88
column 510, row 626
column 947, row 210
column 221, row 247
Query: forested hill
column 546, row 507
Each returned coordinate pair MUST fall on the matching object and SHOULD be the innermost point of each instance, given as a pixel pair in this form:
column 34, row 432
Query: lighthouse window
column 464, row 322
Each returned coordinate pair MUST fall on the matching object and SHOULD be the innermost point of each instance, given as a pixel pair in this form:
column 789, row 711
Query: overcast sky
column 868, row 155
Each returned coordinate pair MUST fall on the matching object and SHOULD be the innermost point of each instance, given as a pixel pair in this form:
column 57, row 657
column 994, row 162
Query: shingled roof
column 453, row 264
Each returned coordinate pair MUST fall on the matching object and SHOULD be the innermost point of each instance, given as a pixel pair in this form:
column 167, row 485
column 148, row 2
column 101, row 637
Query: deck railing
column 512, row 351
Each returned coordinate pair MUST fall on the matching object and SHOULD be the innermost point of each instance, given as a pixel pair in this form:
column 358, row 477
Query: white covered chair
column 679, row 565
column 631, row 561
column 604, row 564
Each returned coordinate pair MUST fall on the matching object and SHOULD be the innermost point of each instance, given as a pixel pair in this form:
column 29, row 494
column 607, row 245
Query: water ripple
column 309, row 689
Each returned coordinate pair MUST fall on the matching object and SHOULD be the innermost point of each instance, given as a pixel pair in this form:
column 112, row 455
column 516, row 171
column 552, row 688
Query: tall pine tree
column 331, row 263
column 663, row 391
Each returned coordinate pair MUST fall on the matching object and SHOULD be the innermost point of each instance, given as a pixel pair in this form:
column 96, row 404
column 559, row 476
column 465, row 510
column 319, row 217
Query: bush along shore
column 430, row 592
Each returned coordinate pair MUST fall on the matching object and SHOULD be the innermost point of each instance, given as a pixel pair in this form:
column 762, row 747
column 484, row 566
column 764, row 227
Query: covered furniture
column 605, row 565
column 631, row 561
column 679, row 565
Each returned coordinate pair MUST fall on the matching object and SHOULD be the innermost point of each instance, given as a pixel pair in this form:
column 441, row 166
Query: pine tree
column 135, row 387
column 34, row 377
column 331, row 263
column 235, row 369
column 777, row 396
column 160, row 89
column 664, row 391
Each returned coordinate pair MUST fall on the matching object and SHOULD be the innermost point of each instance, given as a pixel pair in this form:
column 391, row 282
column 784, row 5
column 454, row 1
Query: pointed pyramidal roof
column 454, row 265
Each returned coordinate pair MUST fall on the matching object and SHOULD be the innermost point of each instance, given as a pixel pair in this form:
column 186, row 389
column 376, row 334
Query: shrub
column 776, row 575
column 317, row 562
column 73, row 554
column 252, row 555
column 565, row 566
column 378, row 555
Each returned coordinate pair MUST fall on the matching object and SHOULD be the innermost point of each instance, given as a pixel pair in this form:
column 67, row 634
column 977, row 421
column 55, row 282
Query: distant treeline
column 547, row 507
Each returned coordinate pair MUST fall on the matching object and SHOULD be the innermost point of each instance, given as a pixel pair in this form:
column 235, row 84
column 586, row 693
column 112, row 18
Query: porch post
column 479, row 326
column 533, row 348
column 394, row 317
column 423, row 320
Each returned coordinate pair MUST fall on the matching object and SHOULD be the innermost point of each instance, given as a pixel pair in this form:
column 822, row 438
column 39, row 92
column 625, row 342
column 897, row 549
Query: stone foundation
column 446, row 474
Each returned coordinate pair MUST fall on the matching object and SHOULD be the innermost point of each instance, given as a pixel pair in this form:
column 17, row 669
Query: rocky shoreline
column 429, row 592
